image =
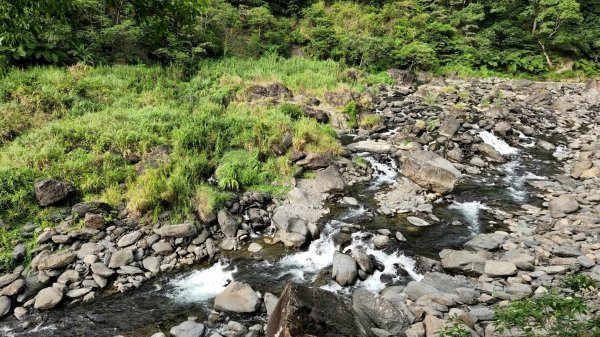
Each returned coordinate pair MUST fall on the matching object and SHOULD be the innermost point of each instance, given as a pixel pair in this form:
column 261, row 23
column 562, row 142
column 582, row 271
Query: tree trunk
column 545, row 54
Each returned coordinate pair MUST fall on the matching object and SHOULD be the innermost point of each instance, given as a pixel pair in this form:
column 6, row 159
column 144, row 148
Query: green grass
column 84, row 124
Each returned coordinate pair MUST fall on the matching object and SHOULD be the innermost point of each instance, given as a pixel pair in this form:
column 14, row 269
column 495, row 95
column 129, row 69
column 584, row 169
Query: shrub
column 351, row 110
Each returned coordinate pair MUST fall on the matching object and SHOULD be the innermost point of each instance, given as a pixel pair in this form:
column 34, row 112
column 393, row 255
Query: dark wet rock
column 271, row 91
column 306, row 311
column 237, row 297
column 402, row 76
column 363, row 260
column 320, row 115
column 52, row 191
column 430, row 171
column 18, row 252
column 344, row 270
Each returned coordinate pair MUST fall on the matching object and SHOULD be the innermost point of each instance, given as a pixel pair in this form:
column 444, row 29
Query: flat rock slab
column 499, row 268
column 371, row 146
column 57, row 260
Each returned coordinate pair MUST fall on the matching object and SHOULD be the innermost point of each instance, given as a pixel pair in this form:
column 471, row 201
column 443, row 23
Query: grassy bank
column 150, row 138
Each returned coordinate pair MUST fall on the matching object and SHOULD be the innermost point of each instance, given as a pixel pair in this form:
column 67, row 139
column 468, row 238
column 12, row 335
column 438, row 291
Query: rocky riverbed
column 466, row 195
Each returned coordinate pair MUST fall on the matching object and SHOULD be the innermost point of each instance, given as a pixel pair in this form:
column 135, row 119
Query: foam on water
column 383, row 173
column 202, row 285
column 516, row 180
column 470, row 210
column 498, row 144
column 318, row 256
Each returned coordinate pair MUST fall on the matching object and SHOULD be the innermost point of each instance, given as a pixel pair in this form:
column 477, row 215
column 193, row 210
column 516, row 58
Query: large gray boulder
column 183, row 230
column 489, row 152
column 121, row 258
column 237, row 297
column 562, row 205
column 344, row 270
column 380, row 311
column 306, row 311
column 430, row 171
column 462, row 261
column 228, row 223
column 330, row 180
column 48, row 298
column 57, row 260
column 52, row 191
column 187, row 329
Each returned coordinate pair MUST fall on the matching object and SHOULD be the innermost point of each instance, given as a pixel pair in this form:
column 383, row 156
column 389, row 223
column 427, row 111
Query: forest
column 527, row 38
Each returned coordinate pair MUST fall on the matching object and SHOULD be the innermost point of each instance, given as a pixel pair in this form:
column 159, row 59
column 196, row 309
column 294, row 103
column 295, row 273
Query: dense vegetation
column 148, row 139
column 522, row 37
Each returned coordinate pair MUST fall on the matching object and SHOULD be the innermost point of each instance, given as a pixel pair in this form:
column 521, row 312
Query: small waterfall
column 498, row 144
column 382, row 173
column 470, row 210
column 516, row 180
column 202, row 285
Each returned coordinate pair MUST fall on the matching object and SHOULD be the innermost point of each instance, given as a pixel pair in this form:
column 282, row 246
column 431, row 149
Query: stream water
column 171, row 298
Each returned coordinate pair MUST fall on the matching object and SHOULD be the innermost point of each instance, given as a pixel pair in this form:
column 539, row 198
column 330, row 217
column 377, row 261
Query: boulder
column 229, row 224
column 48, row 298
column 380, row 311
column 183, row 230
column 57, row 260
column 129, row 239
column 5, row 304
column 371, row 146
column 330, row 180
column 485, row 241
column 14, row 288
column 94, row 221
column 562, row 205
column 162, row 248
column 306, row 311
column 237, row 297
column 449, row 127
column 430, row 171
column 499, row 268
column 101, row 270
column 121, row 258
column 187, row 329
column 344, row 270
column 491, row 153
column 52, row 191
column 314, row 161
column 363, row 260
column 462, row 261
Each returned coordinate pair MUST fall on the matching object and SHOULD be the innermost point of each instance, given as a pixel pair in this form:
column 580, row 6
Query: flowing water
column 171, row 298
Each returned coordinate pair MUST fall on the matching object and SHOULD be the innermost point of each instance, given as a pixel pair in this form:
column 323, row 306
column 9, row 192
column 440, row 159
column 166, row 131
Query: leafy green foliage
column 351, row 109
column 551, row 314
column 578, row 282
